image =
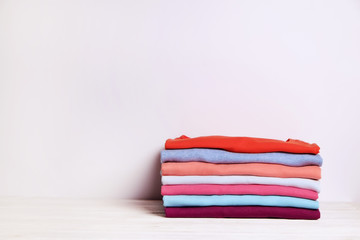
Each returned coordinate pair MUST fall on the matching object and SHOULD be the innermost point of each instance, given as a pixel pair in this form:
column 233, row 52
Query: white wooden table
column 35, row 218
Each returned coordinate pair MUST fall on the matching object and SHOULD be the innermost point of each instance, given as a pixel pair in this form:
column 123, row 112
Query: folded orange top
column 254, row 169
column 243, row 144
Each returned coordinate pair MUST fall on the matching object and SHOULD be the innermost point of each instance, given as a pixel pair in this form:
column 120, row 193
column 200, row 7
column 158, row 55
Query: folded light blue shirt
column 238, row 200
column 222, row 156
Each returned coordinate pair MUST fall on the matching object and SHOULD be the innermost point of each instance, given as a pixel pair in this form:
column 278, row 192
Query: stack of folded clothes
column 240, row 177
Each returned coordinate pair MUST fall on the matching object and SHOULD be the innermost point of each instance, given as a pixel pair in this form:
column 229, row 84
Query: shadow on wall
column 151, row 187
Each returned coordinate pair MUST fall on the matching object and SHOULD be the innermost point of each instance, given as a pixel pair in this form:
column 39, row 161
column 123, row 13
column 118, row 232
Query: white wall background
column 90, row 90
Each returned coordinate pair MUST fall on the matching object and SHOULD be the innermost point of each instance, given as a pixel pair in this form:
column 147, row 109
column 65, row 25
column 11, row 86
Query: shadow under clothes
column 150, row 187
column 154, row 207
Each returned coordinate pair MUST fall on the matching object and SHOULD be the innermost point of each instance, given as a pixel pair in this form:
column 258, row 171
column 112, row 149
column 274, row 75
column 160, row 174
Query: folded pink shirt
column 237, row 189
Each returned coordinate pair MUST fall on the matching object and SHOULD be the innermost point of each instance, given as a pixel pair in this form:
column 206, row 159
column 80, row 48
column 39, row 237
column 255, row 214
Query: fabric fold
column 243, row 144
column 238, row 200
column 222, row 156
column 253, row 169
column 242, row 212
column 292, row 182
column 240, row 189
column 240, row 177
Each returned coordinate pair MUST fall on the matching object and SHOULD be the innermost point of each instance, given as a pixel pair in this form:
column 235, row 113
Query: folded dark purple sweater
column 242, row 212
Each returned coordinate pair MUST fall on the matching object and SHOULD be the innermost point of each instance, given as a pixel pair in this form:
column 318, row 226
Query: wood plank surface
column 38, row 218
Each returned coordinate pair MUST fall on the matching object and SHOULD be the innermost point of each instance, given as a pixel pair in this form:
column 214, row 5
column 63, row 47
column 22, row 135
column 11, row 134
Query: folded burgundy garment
column 242, row 212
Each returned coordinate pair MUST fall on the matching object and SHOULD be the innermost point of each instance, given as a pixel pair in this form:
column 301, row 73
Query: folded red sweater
column 242, row 212
column 243, row 144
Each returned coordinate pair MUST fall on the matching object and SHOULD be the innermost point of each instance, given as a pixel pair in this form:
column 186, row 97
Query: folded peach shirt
column 253, row 169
